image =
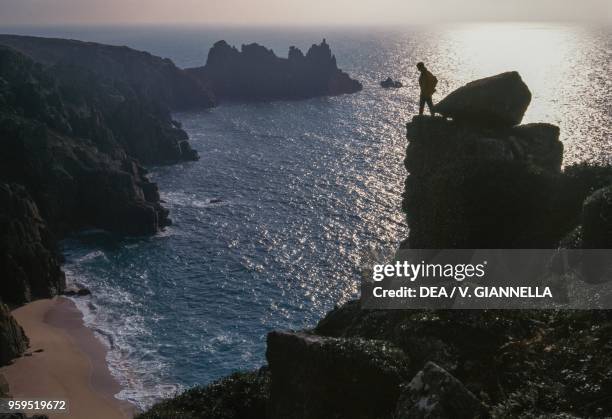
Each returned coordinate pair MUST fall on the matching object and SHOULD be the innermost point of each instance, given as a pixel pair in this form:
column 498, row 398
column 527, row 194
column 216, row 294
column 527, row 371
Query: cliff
column 472, row 183
column 129, row 92
column 256, row 73
column 72, row 143
column 155, row 78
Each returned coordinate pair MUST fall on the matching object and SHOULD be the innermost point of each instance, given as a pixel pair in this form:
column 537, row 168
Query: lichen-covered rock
column 316, row 377
column 256, row 73
column 499, row 100
column 13, row 341
column 433, row 393
column 238, row 396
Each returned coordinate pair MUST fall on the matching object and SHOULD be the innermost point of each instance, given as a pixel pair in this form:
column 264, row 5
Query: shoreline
column 72, row 365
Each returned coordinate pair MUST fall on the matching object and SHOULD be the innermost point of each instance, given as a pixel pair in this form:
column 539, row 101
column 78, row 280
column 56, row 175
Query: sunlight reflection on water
column 290, row 199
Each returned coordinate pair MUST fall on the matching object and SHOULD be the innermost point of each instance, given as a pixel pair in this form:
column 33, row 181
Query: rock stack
column 478, row 179
column 255, row 73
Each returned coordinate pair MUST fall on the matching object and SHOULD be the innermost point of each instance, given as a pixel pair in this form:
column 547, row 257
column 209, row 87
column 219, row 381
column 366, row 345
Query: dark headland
column 78, row 122
column 255, row 73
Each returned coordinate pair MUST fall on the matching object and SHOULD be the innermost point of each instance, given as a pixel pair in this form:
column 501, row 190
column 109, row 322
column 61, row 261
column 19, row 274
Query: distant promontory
column 255, row 73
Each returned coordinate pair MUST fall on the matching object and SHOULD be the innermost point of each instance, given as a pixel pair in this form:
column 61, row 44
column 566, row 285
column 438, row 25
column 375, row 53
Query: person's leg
column 422, row 100
column 430, row 105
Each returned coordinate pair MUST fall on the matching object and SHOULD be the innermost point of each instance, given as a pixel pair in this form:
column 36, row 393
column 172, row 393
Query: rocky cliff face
column 69, row 141
column 13, row 342
column 78, row 174
column 28, row 259
column 155, row 78
column 476, row 187
column 115, row 96
column 256, row 73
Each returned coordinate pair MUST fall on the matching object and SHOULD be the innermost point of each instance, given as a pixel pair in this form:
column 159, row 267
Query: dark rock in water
column 597, row 220
column 83, row 292
column 77, row 292
column 13, row 341
column 256, row 73
column 316, row 377
column 390, row 83
column 29, row 266
column 499, row 100
column 435, row 394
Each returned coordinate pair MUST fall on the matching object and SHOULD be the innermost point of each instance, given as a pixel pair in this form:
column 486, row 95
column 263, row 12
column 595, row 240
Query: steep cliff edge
column 256, row 73
column 63, row 151
column 471, row 183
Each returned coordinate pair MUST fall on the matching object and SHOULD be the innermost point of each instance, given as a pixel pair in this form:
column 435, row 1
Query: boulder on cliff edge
column 499, row 100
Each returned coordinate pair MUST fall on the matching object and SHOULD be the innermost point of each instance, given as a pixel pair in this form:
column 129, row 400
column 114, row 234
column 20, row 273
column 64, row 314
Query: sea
column 292, row 200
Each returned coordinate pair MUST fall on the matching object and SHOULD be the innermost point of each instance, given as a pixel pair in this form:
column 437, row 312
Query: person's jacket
column 428, row 83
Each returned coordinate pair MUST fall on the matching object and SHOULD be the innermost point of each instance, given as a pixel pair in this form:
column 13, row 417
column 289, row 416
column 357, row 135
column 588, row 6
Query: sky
column 296, row 12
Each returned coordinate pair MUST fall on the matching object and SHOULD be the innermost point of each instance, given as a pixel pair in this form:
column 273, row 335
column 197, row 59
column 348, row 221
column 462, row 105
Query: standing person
column 427, row 82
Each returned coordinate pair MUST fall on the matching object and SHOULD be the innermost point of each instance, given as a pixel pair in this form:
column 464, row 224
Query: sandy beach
column 71, row 365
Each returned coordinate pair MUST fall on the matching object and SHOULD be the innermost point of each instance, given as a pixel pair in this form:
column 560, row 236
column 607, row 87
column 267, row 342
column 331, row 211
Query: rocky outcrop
column 311, row 376
column 13, row 341
column 499, row 100
column 479, row 187
column 256, row 73
column 477, row 181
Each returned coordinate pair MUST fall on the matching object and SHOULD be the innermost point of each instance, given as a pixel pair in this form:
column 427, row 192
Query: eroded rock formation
column 255, row 73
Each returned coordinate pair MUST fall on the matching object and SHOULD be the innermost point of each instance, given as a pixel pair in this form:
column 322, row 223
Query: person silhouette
column 427, row 83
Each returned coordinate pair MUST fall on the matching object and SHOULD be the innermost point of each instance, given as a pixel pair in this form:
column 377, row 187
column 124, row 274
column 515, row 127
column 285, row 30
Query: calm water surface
column 291, row 199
